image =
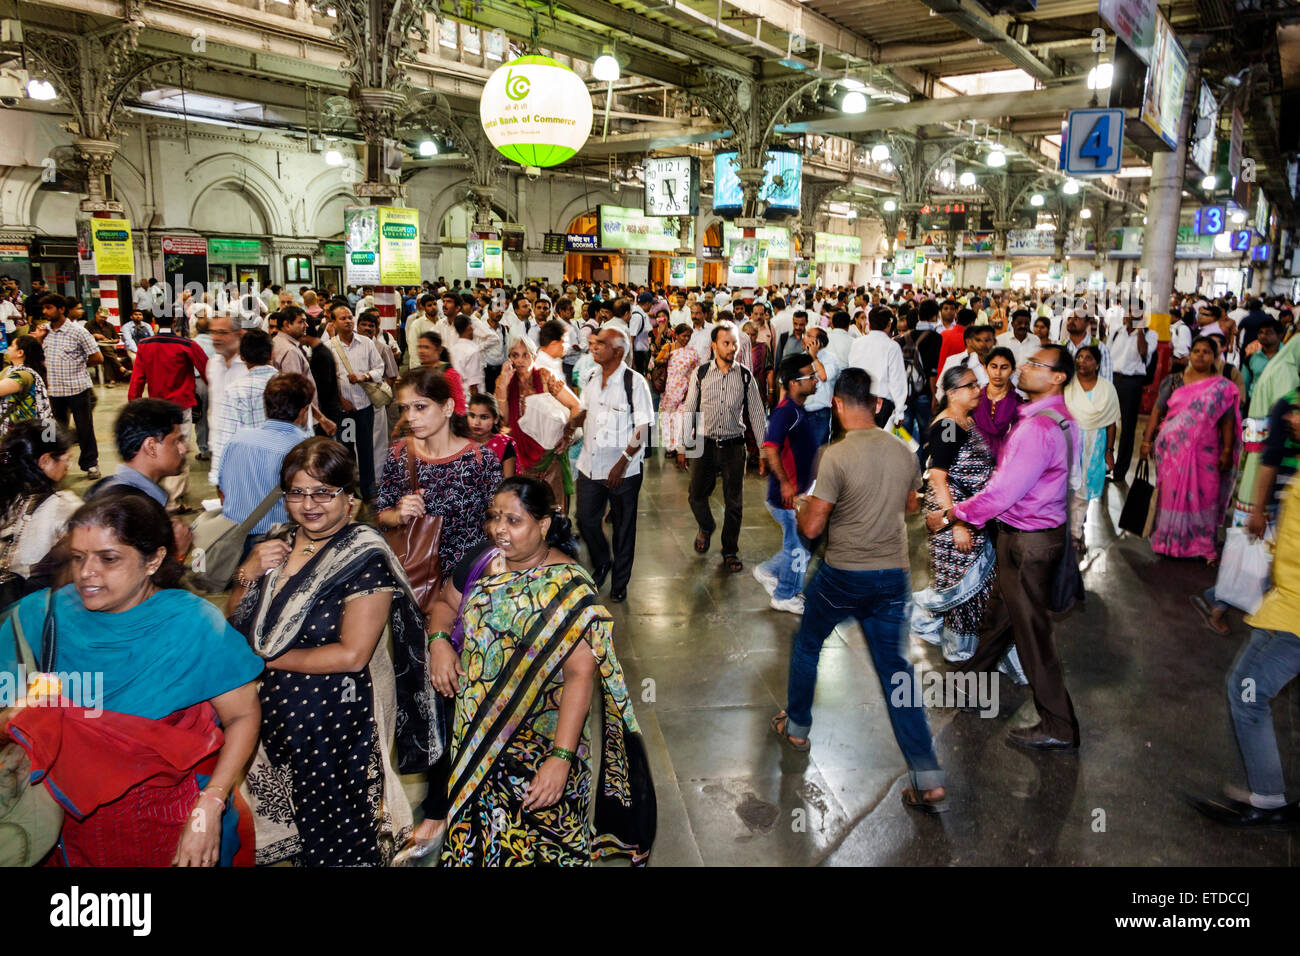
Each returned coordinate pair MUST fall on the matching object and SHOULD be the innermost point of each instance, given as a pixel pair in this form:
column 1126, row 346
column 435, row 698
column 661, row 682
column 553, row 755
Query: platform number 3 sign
column 1094, row 144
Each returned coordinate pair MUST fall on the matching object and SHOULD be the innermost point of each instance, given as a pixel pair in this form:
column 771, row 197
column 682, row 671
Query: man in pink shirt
column 1027, row 501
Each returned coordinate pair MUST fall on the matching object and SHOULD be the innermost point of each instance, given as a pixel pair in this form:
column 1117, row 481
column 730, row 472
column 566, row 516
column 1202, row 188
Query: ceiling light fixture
column 41, row 90
column 890, row 205
column 880, row 153
column 428, row 147
column 996, row 157
column 1036, row 199
column 1210, row 181
column 967, row 179
column 1071, row 187
column 606, row 68
column 1238, row 217
column 1101, row 76
column 333, row 157
column 1085, row 213
column 854, row 102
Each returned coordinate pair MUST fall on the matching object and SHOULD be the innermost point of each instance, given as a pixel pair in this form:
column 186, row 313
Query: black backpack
column 918, row 382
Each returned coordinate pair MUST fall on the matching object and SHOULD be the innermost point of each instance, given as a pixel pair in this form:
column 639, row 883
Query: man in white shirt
column 225, row 368
column 616, row 414
column 467, row 356
column 1132, row 351
column 702, row 336
column 1019, row 339
column 142, row 299
column 882, row 359
column 680, row 314
column 782, row 318
column 423, row 321
column 840, row 338
column 550, row 350
column 979, row 343
column 356, row 359
column 1076, row 334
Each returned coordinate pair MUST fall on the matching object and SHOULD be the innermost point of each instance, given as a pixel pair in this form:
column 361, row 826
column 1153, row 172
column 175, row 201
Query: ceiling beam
column 645, row 142
column 950, row 109
column 971, row 17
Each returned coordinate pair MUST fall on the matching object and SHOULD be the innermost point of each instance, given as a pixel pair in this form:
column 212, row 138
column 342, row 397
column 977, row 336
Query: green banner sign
column 833, row 247
column 361, row 247
column 232, row 250
column 777, row 238
column 622, row 227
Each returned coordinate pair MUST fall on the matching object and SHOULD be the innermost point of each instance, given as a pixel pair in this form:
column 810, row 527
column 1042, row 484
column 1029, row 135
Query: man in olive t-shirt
column 865, row 486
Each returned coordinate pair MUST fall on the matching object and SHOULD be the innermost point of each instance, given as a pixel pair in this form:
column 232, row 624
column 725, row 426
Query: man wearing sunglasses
column 790, row 447
column 1026, row 499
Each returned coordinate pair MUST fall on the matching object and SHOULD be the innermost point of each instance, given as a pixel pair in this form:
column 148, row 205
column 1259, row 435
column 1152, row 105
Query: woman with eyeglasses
column 315, row 602
column 962, row 564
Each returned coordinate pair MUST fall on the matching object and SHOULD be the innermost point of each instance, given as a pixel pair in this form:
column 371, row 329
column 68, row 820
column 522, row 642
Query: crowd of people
column 395, row 537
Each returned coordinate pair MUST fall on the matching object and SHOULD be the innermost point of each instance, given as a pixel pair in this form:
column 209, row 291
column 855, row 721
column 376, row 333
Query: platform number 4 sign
column 1094, row 144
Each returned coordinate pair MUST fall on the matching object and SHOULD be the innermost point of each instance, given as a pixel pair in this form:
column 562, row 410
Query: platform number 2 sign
column 1094, row 142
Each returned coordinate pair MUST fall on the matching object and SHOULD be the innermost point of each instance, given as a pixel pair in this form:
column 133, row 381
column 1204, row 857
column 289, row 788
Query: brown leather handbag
column 416, row 546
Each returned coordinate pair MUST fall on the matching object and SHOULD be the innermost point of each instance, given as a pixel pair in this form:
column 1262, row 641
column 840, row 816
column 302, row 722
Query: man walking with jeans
column 723, row 400
column 790, row 448
column 69, row 349
column 1027, row 500
column 866, row 483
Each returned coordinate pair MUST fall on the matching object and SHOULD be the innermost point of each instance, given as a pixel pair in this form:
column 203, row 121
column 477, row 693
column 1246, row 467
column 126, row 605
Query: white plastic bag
column 1244, row 571
column 544, row 419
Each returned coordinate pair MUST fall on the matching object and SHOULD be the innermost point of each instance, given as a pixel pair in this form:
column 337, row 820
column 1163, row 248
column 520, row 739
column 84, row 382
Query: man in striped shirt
column 250, row 463
column 723, row 400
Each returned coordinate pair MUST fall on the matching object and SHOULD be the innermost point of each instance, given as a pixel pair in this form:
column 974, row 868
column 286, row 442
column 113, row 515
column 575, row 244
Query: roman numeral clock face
column 668, row 186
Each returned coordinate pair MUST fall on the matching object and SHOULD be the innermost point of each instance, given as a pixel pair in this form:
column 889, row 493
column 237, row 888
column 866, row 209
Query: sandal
column 702, row 542
column 914, row 801
column 1207, row 614
column 778, row 724
column 732, row 563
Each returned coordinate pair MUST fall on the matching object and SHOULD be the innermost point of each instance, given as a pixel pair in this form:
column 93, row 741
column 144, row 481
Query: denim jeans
column 790, row 564
column 821, row 419
column 1266, row 665
column 878, row 601
column 916, row 419
column 1208, row 594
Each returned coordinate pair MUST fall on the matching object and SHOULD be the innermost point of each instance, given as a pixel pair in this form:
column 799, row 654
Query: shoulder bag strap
column 49, row 636
column 22, row 649
column 1064, row 426
column 343, row 355
column 258, row 513
column 411, row 467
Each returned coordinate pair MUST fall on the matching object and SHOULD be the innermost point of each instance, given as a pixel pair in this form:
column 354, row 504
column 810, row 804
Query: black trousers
column 593, row 496
column 729, row 461
column 490, row 373
column 641, row 361
column 1017, row 611
column 356, row 428
column 79, row 407
column 1129, row 388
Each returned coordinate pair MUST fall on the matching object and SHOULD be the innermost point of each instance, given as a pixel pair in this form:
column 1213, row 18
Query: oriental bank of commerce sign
column 536, row 111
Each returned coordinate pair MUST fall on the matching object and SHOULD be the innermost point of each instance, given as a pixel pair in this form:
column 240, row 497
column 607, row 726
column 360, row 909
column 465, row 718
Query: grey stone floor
column 706, row 663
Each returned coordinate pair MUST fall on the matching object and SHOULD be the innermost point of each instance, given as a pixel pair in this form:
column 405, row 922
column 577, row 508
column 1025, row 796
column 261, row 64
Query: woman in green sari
column 520, row 640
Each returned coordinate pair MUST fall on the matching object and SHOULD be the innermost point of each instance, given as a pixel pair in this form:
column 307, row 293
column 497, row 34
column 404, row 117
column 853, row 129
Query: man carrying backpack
column 725, row 400
column 921, row 360
column 638, row 327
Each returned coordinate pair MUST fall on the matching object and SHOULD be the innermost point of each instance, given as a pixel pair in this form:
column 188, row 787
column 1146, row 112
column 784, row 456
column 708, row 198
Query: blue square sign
column 1094, row 142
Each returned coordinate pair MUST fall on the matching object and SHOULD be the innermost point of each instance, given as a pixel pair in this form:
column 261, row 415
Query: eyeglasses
column 974, row 385
column 803, row 378
column 320, row 496
column 1050, row 368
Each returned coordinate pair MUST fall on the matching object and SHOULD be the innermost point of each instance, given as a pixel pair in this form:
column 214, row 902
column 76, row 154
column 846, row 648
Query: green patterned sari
column 520, row 627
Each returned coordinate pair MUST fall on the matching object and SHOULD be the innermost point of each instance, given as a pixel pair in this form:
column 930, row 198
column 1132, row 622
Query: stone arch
column 320, row 197
column 585, row 203
column 236, row 173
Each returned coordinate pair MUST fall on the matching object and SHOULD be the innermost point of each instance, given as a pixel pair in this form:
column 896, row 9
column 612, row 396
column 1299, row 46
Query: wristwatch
column 947, row 517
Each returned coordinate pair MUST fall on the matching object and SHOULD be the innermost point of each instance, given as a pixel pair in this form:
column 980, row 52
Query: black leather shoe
column 1235, row 813
column 618, row 597
column 1035, row 738
column 599, row 575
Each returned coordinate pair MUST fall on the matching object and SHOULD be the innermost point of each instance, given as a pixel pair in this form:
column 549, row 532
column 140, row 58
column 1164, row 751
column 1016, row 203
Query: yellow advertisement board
column 111, row 241
column 399, row 246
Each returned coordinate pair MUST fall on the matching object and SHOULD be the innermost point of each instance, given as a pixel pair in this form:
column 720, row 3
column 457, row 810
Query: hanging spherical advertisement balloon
column 536, row 111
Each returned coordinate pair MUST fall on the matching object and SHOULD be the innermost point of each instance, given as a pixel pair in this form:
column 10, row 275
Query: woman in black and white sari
column 316, row 603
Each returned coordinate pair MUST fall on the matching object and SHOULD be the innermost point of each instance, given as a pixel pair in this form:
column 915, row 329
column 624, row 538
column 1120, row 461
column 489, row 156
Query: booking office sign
column 536, row 111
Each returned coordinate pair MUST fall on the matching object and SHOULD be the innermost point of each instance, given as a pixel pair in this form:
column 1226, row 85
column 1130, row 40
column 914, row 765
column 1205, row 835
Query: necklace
column 311, row 548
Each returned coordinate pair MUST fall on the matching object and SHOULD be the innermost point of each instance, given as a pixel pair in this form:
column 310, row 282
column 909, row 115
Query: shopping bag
column 1244, row 571
column 1136, row 516
column 544, row 419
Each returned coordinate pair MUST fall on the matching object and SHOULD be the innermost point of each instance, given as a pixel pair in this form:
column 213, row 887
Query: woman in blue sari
column 157, row 710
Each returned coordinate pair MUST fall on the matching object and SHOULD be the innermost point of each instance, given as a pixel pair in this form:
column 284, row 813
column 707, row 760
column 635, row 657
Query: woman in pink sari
column 1195, row 455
